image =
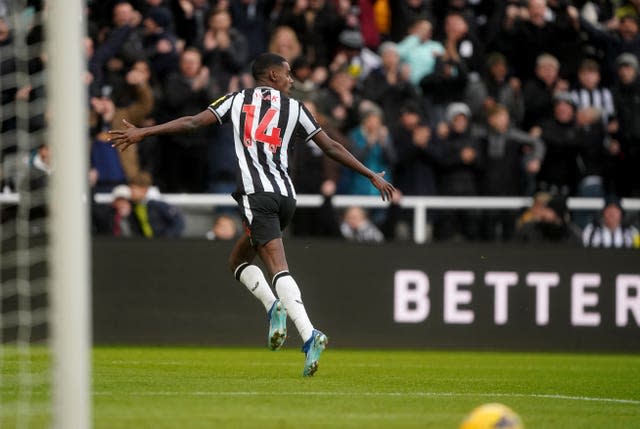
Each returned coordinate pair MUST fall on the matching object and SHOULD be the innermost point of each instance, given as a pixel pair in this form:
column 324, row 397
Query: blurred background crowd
column 449, row 97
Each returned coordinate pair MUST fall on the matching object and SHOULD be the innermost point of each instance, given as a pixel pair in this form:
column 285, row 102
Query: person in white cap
column 460, row 170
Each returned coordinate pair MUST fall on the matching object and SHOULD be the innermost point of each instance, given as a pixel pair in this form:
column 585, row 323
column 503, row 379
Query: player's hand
column 122, row 139
column 386, row 189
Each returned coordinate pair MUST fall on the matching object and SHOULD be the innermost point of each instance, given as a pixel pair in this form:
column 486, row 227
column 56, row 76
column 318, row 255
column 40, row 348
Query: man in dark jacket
column 563, row 140
column 526, row 34
column 159, row 43
column 626, row 39
column 418, row 154
column 461, row 167
column 184, row 159
column 388, row 85
column 626, row 96
column 553, row 226
column 512, row 158
column 152, row 218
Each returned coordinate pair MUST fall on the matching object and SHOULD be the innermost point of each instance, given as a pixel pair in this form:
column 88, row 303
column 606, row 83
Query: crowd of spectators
column 449, row 97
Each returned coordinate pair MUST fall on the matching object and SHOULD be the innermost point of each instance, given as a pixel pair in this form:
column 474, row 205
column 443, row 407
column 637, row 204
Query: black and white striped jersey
column 265, row 122
column 600, row 98
column 596, row 235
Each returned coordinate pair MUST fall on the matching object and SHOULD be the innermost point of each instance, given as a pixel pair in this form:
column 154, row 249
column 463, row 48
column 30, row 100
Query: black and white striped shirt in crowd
column 596, row 235
column 265, row 121
column 599, row 98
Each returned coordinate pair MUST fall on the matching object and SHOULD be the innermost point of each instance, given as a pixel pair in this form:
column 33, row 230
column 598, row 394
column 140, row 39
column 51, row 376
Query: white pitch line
column 379, row 394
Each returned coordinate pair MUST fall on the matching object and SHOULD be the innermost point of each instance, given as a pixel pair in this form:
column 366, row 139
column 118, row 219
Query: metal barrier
column 419, row 205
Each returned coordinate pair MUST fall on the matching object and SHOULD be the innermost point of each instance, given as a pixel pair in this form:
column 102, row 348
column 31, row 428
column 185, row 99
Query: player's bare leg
column 242, row 252
column 273, row 255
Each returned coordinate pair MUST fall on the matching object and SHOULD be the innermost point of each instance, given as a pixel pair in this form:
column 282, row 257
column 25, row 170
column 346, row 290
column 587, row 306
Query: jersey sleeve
column 307, row 125
column 222, row 107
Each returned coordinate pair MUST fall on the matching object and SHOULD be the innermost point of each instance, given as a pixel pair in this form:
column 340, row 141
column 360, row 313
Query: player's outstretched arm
column 336, row 151
column 122, row 139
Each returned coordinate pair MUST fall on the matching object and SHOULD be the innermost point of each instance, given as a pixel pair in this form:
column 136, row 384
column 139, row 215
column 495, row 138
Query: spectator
column 125, row 21
column 625, row 38
column 527, row 34
column 106, row 53
column 447, row 84
column 105, row 115
column 357, row 227
column 512, row 160
column 225, row 50
column 152, row 218
column 284, row 42
column 354, row 55
column 304, row 87
column 315, row 173
column 388, row 85
column 630, row 8
column 224, row 228
column 221, row 156
column 40, row 162
column 105, row 160
column 562, row 138
column 610, row 230
column 250, row 19
column 419, row 51
column 460, row 43
column 32, row 186
column 539, row 91
column 626, row 147
column 495, row 86
column 184, row 157
column 552, row 225
column 317, row 26
column 190, row 20
column 461, row 168
column 360, row 15
column 159, row 43
column 594, row 102
column 415, row 172
column 590, row 93
column 114, row 219
column 535, row 212
column 418, row 154
column 594, row 161
column 371, row 144
column 405, row 13
column 339, row 101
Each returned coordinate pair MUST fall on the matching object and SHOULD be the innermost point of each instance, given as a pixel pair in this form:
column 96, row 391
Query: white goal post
column 69, row 251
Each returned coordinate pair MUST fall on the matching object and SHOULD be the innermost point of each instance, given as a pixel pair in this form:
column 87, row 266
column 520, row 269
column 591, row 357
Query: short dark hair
column 264, row 62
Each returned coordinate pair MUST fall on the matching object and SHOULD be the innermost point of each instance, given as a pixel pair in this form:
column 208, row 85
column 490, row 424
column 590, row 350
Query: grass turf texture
column 253, row 388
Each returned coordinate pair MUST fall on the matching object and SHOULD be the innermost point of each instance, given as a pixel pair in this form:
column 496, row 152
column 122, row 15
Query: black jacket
column 415, row 169
column 627, row 101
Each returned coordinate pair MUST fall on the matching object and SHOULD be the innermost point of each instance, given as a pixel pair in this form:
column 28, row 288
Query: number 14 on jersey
column 272, row 139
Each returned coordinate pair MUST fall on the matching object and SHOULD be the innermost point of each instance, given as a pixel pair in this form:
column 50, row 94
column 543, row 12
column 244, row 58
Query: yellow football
column 492, row 416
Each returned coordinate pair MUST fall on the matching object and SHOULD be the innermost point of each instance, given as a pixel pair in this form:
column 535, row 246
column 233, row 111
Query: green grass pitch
column 191, row 388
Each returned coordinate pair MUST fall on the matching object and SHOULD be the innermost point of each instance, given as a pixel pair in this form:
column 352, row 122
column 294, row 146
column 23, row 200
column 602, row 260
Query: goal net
column 42, row 217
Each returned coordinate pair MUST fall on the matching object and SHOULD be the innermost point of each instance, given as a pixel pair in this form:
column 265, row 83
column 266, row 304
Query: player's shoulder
column 220, row 100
